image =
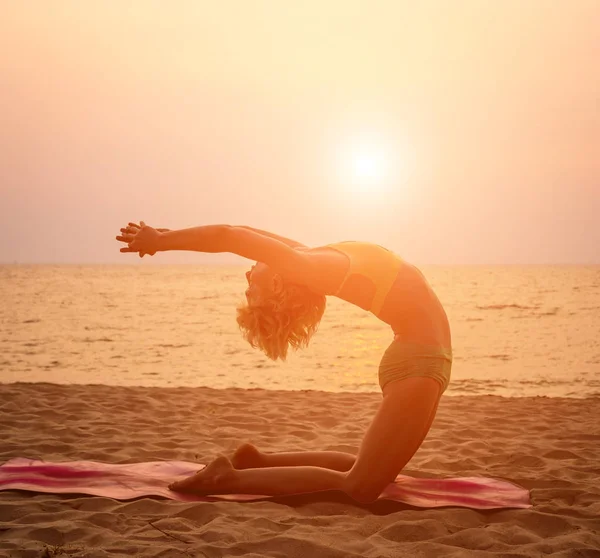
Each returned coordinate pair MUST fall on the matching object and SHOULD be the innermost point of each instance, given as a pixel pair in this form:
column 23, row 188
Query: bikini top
column 395, row 291
column 370, row 276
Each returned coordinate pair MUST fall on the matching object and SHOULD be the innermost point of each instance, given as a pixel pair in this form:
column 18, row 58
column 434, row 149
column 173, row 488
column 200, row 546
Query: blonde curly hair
column 285, row 319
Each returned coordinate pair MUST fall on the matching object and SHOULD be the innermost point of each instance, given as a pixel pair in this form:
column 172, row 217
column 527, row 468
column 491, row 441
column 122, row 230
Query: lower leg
column 248, row 456
column 219, row 477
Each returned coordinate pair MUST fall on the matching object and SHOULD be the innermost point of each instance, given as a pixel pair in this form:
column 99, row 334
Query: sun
column 369, row 167
column 364, row 166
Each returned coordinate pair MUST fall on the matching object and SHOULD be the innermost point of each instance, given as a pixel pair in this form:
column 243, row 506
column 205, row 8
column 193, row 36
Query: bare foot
column 215, row 478
column 247, row 456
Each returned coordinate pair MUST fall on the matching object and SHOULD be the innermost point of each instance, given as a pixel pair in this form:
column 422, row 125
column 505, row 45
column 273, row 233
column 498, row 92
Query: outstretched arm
column 134, row 228
column 288, row 241
column 243, row 241
column 207, row 238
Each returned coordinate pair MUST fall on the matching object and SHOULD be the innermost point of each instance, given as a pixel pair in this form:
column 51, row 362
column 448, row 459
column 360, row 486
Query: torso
column 391, row 288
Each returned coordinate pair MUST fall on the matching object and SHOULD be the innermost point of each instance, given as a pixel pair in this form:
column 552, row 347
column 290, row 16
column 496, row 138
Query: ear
column 277, row 283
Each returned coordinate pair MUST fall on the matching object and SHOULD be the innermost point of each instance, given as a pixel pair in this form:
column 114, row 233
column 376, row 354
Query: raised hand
column 140, row 238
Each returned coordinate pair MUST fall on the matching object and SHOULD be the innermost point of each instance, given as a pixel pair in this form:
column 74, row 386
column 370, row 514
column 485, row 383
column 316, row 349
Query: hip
column 408, row 359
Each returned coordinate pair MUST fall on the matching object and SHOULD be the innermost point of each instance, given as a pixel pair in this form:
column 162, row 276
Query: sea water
column 517, row 331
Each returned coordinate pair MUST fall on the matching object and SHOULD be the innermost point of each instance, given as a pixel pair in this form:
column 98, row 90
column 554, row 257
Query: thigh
column 396, row 433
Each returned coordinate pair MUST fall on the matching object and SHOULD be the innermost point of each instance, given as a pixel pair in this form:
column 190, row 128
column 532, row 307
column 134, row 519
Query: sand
column 549, row 445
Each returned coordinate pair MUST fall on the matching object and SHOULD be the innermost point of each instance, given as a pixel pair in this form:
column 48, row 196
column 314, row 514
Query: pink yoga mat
column 135, row 480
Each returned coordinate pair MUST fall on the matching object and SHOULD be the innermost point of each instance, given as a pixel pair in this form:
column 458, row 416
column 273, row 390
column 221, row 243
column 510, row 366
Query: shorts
column 408, row 360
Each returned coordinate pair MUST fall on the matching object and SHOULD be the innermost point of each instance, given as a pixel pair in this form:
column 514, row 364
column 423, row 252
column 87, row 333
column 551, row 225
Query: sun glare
column 364, row 167
column 369, row 167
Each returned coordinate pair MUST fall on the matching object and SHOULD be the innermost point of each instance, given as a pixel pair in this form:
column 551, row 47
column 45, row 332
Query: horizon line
column 230, row 264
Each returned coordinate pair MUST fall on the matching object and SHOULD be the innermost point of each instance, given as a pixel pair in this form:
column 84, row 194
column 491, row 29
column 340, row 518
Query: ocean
column 517, row 330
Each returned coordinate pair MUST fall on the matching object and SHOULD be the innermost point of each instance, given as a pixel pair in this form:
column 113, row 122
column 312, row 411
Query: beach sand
column 551, row 446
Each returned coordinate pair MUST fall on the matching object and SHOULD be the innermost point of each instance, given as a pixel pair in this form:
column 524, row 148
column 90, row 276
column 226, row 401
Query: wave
column 533, row 310
column 505, row 306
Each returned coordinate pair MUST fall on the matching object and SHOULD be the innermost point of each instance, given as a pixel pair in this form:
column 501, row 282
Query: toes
column 205, row 480
column 182, row 485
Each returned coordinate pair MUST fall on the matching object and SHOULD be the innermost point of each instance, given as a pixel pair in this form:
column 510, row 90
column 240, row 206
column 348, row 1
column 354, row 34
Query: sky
column 463, row 132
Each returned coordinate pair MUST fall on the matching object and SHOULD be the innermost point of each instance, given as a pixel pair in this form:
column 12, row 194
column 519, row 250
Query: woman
column 285, row 302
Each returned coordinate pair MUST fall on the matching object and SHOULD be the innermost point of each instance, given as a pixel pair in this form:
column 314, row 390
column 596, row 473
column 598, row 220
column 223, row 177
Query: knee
column 362, row 490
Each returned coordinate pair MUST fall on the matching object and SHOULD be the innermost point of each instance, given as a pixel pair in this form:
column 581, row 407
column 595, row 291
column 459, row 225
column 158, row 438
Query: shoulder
column 325, row 269
column 321, row 268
